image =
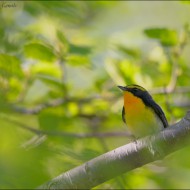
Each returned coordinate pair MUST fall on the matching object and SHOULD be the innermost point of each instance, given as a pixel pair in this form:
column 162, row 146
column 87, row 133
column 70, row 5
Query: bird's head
column 136, row 90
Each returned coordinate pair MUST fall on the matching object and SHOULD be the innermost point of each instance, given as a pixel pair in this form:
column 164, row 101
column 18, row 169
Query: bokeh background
column 60, row 64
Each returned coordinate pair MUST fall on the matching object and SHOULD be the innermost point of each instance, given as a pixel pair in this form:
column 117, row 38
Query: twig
column 65, row 134
column 54, row 103
column 61, row 101
column 182, row 104
column 163, row 90
column 19, row 124
column 40, row 107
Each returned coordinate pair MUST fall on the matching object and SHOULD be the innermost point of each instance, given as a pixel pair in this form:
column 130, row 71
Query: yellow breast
column 139, row 118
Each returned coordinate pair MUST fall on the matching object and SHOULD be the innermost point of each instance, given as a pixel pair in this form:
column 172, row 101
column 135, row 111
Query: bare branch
column 124, row 159
column 54, row 103
column 163, row 90
column 61, row 101
column 39, row 107
column 66, row 134
column 182, row 104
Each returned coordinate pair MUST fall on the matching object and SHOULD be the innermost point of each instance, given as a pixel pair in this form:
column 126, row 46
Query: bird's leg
column 133, row 138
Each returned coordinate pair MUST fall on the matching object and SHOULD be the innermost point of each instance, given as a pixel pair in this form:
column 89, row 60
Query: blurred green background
column 60, row 64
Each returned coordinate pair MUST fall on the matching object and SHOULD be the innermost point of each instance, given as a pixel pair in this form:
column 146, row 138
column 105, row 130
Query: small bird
column 141, row 113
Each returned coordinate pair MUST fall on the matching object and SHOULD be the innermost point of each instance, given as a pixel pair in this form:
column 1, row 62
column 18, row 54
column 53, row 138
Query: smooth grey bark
column 124, row 158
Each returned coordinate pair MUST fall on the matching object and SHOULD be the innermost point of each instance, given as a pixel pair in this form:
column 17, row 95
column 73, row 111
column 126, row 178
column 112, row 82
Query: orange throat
column 132, row 104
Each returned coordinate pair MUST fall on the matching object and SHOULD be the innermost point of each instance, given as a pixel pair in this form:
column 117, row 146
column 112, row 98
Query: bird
column 142, row 115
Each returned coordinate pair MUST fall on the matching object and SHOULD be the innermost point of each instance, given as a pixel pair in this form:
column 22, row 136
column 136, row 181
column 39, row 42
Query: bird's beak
column 122, row 88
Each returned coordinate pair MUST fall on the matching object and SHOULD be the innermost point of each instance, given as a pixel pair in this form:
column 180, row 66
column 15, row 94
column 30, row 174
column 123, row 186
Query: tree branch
column 124, row 159
column 40, row 107
column 163, row 90
column 65, row 134
column 54, row 103
column 60, row 101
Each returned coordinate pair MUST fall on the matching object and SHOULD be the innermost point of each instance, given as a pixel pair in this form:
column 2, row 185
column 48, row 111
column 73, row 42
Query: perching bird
column 141, row 113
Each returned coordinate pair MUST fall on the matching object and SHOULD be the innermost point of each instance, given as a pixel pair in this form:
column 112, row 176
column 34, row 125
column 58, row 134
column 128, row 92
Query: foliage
column 60, row 64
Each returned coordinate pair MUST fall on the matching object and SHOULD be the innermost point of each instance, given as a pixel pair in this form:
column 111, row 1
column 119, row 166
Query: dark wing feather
column 123, row 114
column 147, row 99
column 159, row 113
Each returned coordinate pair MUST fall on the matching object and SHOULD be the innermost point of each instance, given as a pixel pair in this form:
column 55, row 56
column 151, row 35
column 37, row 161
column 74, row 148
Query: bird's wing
column 159, row 113
column 123, row 115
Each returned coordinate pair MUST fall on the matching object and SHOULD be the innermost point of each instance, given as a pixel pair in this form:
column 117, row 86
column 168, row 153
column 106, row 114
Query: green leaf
column 129, row 51
column 63, row 40
column 169, row 38
column 155, row 32
column 50, row 80
column 10, row 66
column 47, row 69
column 77, row 60
column 39, row 52
column 166, row 36
column 80, row 50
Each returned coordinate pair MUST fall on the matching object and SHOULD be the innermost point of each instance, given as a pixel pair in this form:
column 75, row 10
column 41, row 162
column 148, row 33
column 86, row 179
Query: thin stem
column 64, row 134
